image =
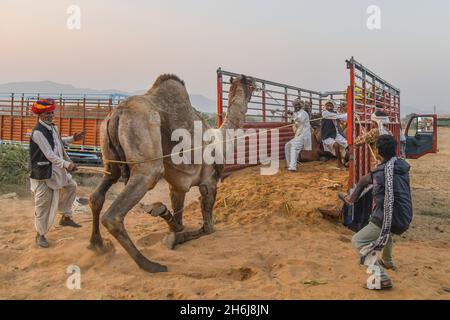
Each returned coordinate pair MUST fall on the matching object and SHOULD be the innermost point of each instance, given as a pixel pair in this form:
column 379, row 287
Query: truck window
column 413, row 128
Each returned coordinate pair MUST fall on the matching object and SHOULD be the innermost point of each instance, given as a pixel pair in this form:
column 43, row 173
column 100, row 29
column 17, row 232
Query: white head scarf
column 329, row 101
column 381, row 121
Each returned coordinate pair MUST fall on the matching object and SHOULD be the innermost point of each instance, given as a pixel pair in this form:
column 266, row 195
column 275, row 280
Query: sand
column 270, row 243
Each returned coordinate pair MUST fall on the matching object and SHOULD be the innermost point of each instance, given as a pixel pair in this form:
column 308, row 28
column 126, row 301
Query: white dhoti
column 328, row 144
column 47, row 201
column 59, row 191
column 293, row 148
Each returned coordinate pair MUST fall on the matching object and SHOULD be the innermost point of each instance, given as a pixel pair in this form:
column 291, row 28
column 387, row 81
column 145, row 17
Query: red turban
column 43, row 105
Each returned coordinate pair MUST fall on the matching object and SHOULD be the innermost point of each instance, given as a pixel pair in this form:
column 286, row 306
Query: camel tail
column 112, row 130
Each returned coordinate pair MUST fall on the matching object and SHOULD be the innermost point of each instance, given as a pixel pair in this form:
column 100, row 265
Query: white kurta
column 340, row 140
column 301, row 141
column 58, row 192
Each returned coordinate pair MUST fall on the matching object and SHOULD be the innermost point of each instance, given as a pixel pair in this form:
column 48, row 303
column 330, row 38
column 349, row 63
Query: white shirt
column 303, row 130
column 334, row 116
column 60, row 177
column 301, row 119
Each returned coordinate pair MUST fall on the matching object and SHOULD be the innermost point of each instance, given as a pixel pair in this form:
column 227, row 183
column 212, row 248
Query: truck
column 267, row 109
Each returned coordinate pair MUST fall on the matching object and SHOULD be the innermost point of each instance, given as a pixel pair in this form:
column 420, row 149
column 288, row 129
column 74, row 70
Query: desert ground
column 271, row 242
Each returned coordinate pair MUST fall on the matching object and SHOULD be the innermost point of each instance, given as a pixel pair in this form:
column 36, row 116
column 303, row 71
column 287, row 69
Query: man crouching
column 50, row 181
column 391, row 213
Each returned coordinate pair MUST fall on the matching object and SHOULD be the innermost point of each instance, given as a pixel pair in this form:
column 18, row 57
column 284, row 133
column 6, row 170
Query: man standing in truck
column 302, row 138
column 332, row 137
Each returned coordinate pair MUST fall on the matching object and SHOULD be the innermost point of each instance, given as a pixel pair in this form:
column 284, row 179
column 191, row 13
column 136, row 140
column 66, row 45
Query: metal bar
column 21, row 119
column 219, row 98
column 350, row 126
column 84, row 118
column 228, row 73
column 11, row 119
column 61, row 110
column 285, row 105
column 364, row 151
column 359, row 66
column 264, row 101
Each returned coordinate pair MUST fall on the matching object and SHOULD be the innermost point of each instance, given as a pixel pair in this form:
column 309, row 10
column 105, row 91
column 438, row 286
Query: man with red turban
column 50, row 180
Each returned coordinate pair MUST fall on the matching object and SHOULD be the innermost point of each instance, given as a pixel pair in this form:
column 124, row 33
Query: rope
column 364, row 129
column 79, row 168
column 192, row 149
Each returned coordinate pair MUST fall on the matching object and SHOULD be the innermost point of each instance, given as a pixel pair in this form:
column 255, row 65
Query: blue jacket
column 403, row 212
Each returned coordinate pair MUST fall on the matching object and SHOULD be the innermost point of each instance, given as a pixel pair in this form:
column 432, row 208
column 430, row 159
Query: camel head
column 241, row 87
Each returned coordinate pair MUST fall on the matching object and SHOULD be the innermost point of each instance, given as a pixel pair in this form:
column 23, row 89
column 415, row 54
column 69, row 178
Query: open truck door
column 421, row 136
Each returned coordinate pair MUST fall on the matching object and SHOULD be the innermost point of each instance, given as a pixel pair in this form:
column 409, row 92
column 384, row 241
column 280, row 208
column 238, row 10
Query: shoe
column 330, row 214
column 385, row 284
column 68, row 222
column 41, row 241
column 342, row 196
column 292, row 170
column 388, row 266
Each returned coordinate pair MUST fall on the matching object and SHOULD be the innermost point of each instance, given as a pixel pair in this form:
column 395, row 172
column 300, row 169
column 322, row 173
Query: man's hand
column 72, row 167
column 79, row 136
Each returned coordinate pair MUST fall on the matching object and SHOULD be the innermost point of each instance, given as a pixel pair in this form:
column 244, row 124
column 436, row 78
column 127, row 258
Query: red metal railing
column 76, row 113
column 268, row 108
column 365, row 92
column 272, row 101
column 368, row 91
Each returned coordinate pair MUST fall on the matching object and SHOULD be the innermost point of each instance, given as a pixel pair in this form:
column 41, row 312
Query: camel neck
column 234, row 118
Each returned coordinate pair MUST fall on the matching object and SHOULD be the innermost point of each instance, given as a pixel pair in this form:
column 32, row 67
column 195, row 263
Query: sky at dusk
column 125, row 45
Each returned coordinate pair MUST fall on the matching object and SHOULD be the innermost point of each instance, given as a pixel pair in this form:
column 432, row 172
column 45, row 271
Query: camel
column 134, row 138
column 315, row 154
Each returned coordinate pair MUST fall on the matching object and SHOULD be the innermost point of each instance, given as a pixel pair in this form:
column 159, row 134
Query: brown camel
column 138, row 133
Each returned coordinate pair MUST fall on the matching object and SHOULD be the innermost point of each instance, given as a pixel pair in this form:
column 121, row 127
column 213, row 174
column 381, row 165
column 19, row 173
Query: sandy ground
column 270, row 243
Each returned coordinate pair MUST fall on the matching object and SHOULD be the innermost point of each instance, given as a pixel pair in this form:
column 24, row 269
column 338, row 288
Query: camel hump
column 164, row 77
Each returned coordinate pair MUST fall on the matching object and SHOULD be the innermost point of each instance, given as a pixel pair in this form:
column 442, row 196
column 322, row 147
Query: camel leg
column 177, row 198
column 175, row 221
column 96, row 201
column 158, row 209
column 208, row 197
column 113, row 219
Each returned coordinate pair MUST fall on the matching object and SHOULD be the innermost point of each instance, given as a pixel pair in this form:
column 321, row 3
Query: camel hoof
column 156, row 209
column 100, row 248
column 152, row 267
column 170, row 240
column 95, row 243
